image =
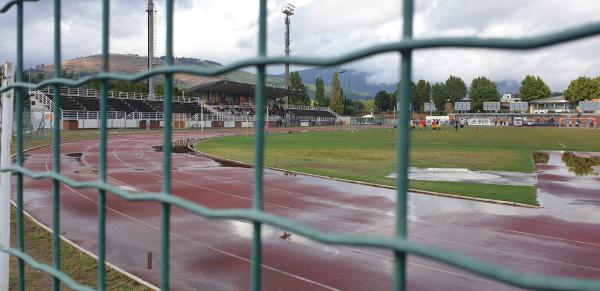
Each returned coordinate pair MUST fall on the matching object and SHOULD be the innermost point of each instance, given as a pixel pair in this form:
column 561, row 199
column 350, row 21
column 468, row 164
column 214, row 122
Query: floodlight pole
column 288, row 10
column 430, row 106
column 150, row 11
column 7, row 73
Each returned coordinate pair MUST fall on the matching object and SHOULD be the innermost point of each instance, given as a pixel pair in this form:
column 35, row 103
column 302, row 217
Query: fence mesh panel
column 398, row 243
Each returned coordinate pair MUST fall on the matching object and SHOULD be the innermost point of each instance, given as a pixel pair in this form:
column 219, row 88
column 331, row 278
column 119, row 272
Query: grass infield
column 369, row 155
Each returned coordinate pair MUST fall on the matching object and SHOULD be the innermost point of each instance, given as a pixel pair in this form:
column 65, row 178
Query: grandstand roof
column 234, row 88
column 553, row 99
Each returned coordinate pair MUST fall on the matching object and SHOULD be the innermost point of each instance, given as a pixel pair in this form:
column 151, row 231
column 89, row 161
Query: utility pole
column 288, row 10
column 6, row 73
column 340, row 72
column 150, row 11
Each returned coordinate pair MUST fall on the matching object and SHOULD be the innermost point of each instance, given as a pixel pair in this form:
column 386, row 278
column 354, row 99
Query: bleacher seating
column 118, row 105
column 312, row 113
column 136, row 105
column 157, row 105
column 69, row 103
column 139, row 105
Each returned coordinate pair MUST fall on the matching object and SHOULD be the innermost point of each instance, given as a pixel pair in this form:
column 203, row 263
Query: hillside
column 355, row 83
column 129, row 63
column 508, row 86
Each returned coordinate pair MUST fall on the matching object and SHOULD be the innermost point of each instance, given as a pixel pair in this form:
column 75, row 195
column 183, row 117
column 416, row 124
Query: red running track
column 563, row 238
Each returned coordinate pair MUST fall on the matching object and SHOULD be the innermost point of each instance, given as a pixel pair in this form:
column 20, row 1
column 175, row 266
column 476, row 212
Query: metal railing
column 86, row 92
column 304, row 107
column 145, row 116
column 41, row 97
column 78, row 115
column 398, row 243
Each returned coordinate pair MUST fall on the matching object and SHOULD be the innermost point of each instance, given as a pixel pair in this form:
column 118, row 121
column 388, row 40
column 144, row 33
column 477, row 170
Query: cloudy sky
column 225, row 31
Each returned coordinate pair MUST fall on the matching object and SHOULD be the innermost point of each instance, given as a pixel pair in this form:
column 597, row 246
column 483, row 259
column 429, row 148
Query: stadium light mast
column 150, row 11
column 288, row 10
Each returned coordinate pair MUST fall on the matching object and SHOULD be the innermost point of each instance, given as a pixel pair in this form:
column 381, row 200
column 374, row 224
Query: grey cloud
column 226, row 31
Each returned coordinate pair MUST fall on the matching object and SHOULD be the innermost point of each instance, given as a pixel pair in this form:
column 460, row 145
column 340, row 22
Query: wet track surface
column 562, row 238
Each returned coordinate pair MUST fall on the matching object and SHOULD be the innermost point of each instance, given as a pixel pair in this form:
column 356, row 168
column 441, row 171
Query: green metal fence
column 398, row 243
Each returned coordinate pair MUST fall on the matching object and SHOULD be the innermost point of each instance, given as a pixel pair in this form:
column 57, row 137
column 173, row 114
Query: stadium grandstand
column 221, row 103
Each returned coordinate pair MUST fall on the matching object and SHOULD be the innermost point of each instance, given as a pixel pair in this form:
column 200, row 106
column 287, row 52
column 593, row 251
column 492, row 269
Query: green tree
column 368, row 105
column 456, row 89
column 583, row 88
column 354, row 107
column 482, row 89
column 158, row 90
column 336, row 94
column 383, row 101
column 422, row 93
column 439, row 95
column 394, row 96
column 320, row 92
column 298, row 93
column 533, row 88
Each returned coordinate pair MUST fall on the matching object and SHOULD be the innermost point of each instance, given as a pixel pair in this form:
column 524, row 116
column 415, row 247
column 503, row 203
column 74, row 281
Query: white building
column 508, row 98
column 556, row 104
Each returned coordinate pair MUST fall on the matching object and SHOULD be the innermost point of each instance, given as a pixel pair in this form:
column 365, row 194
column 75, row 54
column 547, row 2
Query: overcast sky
column 226, row 30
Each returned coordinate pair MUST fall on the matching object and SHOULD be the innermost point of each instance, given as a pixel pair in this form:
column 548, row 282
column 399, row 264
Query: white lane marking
column 389, row 258
column 351, row 248
column 504, row 252
column 441, row 270
column 553, row 237
column 141, row 148
column 495, row 251
column 372, row 253
column 562, row 145
column 193, row 241
column 234, row 195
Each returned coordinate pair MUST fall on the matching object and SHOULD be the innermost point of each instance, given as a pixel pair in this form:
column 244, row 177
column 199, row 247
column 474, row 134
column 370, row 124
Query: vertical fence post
column 167, row 131
column 257, row 198
column 56, row 147
column 101, row 272
column 5, row 162
column 19, row 148
column 402, row 145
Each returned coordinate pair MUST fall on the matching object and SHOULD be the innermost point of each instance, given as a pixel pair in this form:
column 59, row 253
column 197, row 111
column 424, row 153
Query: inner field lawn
column 369, row 155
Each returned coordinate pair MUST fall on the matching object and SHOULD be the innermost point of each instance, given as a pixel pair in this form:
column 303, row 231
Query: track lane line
column 191, row 240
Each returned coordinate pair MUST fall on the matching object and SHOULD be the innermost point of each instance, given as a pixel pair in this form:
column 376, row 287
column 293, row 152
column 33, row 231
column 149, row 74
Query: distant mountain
column 354, row 82
column 132, row 63
column 508, row 86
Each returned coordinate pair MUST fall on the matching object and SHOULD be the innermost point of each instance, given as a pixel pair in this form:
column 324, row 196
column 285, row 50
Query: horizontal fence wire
column 399, row 244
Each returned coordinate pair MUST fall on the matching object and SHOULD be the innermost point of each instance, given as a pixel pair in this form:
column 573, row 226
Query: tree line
column 454, row 89
column 336, row 99
column 482, row 89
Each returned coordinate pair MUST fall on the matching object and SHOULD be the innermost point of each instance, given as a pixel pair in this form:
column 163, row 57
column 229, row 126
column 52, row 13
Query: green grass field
column 369, row 155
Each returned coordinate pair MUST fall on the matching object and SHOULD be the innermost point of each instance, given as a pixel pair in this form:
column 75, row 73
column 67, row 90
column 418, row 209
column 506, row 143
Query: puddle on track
column 181, row 147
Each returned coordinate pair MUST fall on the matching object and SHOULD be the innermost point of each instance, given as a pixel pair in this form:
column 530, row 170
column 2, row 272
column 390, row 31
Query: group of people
column 580, row 123
column 436, row 124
